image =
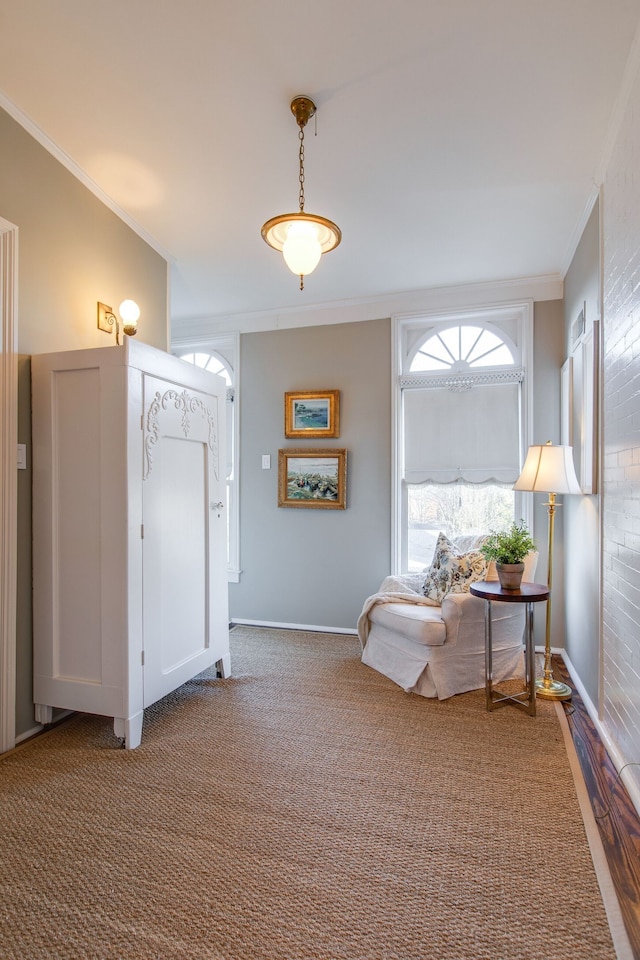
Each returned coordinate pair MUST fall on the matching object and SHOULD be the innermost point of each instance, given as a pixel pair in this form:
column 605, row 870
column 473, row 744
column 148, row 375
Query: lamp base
column 553, row 690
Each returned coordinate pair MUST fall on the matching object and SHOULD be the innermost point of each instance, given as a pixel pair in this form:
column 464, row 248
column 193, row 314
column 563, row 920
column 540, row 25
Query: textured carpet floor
column 304, row 808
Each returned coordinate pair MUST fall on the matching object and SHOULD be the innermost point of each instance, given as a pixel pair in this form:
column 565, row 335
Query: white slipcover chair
column 438, row 651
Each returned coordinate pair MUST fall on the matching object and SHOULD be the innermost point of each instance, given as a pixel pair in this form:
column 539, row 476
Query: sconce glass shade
column 129, row 313
column 549, row 469
column 302, row 238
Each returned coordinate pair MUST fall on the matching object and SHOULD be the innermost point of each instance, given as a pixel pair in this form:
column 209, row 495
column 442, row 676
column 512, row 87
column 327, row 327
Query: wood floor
column 614, row 812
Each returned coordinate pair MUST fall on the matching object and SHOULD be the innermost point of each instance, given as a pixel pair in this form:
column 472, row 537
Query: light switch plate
column 266, row 461
column 22, row 456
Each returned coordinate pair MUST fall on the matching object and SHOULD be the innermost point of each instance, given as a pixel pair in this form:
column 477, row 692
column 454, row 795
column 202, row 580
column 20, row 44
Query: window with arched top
column 211, row 362
column 461, row 413
column 462, row 347
column 220, row 356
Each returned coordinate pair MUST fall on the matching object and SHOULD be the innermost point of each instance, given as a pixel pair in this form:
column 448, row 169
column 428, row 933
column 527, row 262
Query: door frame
column 8, row 478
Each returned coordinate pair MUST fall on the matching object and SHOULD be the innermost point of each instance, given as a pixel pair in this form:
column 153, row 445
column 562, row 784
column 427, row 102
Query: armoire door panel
column 175, row 563
column 76, row 488
column 181, row 464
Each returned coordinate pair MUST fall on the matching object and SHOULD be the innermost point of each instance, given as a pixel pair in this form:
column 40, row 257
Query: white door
column 185, row 606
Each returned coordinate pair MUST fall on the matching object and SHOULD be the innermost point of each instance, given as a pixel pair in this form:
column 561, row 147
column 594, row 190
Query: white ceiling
column 458, row 141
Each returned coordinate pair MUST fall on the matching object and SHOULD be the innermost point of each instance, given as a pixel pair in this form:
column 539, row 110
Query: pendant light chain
column 301, row 237
column 301, row 174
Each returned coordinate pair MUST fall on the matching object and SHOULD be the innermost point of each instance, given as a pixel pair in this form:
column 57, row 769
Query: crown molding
column 63, row 158
column 428, row 300
column 579, row 228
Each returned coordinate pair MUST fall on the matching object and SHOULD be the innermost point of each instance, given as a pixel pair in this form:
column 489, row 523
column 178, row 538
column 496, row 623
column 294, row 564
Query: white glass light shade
column 549, row 469
column 302, row 238
column 302, row 250
column 129, row 312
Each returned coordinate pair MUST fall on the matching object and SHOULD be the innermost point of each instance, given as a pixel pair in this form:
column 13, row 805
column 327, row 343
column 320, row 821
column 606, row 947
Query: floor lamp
column 549, row 469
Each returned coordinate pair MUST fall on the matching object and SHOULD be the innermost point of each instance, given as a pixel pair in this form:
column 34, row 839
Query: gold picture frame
column 312, row 413
column 315, row 478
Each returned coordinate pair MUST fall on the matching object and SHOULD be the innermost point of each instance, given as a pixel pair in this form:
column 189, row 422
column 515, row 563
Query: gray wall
column 306, row 566
column 73, row 251
column 314, row 567
column 582, row 514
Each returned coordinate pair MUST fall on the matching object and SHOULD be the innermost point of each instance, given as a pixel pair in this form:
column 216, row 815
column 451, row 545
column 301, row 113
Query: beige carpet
column 304, row 808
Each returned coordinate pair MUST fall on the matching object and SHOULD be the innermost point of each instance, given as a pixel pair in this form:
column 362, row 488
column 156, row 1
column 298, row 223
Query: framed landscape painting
column 312, row 413
column 312, row 478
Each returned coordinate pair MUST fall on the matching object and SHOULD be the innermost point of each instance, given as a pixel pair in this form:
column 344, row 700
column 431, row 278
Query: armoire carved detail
column 189, row 406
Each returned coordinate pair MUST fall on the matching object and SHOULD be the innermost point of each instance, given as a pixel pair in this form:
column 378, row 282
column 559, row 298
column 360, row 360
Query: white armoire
column 129, row 530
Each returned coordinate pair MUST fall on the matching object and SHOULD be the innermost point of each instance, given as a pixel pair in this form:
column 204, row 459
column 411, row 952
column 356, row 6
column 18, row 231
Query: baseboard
column 29, row 733
column 607, row 889
column 616, row 757
column 58, row 716
column 40, row 730
column 306, row 627
column 559, row 651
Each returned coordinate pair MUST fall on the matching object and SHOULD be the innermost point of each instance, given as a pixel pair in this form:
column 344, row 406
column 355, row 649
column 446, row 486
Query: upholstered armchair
column 437, row 649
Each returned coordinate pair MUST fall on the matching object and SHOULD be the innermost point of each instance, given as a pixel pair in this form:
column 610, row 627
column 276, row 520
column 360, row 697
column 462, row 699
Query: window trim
column 227, row 348
column 407, row 331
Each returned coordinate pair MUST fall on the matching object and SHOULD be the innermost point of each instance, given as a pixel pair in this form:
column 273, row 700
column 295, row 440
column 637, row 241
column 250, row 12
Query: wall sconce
column 129, row 312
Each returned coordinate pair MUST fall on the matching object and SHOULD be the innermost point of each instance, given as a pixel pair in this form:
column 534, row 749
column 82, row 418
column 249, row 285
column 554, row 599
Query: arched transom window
column 461, row 348
column 211, row 362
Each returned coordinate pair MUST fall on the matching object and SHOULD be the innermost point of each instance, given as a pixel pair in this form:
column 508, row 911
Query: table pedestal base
column 527, row 698
column 528, row 593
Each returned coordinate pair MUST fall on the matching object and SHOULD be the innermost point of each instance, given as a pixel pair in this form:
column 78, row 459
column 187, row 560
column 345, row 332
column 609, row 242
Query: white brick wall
column 621, row 440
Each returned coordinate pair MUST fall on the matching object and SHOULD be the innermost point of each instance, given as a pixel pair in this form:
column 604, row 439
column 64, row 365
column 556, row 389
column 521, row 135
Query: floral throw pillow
column 452, row 572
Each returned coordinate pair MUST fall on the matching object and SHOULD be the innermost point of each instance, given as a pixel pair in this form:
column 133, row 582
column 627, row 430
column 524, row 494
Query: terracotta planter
column 510, row 575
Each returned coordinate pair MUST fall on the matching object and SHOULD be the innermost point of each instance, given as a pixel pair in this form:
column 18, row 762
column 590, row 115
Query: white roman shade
column 470, row 435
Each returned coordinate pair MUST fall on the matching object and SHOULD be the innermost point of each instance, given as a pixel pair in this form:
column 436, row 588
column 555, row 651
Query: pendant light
column 301, row 237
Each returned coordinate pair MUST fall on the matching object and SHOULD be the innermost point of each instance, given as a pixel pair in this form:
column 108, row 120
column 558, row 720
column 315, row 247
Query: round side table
column 529, row 593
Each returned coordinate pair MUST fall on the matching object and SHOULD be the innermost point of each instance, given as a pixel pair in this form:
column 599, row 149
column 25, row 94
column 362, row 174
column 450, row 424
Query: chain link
column 301, row 175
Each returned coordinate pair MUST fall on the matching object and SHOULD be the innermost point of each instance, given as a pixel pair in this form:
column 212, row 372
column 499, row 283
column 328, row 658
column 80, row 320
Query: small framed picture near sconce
column 312, row 478
column 312, row 414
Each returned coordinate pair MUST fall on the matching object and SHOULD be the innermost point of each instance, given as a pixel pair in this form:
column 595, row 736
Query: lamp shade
column 549, row 469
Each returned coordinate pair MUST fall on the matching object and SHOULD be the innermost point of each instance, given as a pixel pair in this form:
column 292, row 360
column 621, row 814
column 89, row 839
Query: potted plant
column 508, row 548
